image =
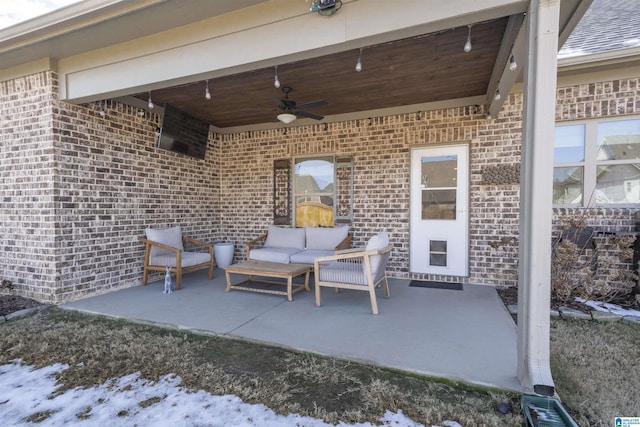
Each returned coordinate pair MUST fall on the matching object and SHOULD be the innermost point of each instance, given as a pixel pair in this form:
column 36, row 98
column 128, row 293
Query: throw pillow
column 285, row 237
column 167, row 236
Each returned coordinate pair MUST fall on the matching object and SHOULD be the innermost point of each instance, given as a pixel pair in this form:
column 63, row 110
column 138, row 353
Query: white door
column 439, row 241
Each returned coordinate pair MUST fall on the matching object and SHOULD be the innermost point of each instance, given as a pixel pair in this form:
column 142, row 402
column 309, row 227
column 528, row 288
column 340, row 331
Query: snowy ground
column 611, row 308
column 131, row 400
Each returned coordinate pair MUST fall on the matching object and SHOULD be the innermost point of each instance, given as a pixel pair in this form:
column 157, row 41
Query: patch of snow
column 608, row 307
column 132, row 400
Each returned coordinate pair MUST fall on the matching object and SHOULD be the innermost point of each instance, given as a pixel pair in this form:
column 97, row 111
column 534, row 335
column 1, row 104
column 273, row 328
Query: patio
column 461, row 335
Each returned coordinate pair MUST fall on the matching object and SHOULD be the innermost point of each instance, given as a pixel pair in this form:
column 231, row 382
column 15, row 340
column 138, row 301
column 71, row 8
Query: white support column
column 536, row 189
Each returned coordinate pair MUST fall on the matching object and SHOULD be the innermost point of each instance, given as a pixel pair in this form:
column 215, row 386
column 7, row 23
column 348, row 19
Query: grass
column 593, row 363
column 98, row 348
column 595, row 368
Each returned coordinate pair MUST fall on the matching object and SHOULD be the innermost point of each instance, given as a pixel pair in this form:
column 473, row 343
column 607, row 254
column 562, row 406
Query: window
column 323, row 191
column 597, row 163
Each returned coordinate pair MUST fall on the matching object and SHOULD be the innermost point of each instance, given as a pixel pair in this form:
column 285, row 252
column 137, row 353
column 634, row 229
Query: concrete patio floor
column 463, row 335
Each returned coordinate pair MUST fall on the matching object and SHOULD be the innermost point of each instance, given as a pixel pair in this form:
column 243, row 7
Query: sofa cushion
column 285, row 237
column 167, row 236
column 325, row 238
column 309, row 256
column 280, row 255
column 188, row 259
column 377, row 242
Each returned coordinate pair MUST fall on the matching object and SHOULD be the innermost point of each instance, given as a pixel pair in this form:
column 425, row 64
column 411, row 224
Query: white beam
column 256, row 37
column 534, row 278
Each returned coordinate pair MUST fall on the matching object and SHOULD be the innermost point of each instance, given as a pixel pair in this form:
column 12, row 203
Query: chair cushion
column 325, row 238
column 377, row 242
column 188, row 259
column 342, row 272
column 309, row 257
column 280, row 255
column 167, row 236
column 285, row 237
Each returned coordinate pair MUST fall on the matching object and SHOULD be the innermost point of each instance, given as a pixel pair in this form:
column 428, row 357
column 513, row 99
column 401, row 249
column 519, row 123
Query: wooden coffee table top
column 274, row 269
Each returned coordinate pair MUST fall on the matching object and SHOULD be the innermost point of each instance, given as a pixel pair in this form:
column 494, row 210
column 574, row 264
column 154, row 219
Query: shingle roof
column 607, row 25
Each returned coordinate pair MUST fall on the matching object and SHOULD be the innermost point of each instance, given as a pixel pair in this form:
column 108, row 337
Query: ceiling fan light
column 286, row 117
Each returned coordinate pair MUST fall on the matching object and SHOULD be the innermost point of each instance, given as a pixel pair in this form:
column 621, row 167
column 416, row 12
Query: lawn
column 593, row 365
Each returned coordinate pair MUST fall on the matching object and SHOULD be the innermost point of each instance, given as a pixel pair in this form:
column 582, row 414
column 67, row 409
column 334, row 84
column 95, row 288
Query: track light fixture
column 276, row 81
column 467, row 45
column 150, row 104
column 207, row 93
column 497, row 95
column 359, row 62
column 513, row 65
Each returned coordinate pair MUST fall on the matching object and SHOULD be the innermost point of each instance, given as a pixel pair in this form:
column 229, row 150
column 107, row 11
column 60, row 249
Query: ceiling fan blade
column 276, row 101
column 310, row 115
column 313, row 104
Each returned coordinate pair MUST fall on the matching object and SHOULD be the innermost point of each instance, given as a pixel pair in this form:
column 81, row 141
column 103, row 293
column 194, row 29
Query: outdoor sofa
column 298, row 245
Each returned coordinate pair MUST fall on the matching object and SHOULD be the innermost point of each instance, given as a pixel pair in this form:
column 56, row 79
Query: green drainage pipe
column 545, row 411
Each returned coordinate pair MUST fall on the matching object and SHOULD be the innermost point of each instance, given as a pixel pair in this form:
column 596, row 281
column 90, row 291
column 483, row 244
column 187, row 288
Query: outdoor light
column 497, row 96
column 101, row 112
column 150, row 104
column 513, row 65
column 207, row 94
column 467, row 45
column 276, row 81
column 286, row 117
column 359, row 63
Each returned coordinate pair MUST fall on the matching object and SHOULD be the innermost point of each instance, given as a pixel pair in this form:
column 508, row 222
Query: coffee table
column 269, row 270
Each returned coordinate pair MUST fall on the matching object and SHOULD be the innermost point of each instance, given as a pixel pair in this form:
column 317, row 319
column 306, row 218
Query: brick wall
column 81, row 189
column 381, row 154
column 78, row 188
column 27, row 165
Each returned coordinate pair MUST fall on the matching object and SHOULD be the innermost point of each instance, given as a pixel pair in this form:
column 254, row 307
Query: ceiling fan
column 290, row 110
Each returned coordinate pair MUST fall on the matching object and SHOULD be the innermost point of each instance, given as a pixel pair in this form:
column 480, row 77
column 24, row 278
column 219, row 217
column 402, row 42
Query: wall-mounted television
column 183, row 133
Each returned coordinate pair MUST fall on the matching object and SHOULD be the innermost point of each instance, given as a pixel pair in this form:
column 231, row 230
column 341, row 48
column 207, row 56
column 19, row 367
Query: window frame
column 294, row 191
column 590, row 163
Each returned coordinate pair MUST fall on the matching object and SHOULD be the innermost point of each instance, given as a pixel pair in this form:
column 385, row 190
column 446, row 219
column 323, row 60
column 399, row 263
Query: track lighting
column 497, row 95
column 207, row 93
column 150, row 104
column 513, row 65
column 359, row 63
column 467, row 45
column 276, row 81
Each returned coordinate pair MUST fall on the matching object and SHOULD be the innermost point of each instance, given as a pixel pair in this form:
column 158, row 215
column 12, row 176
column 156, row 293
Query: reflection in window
column 597, row 163
column 567, row 185
column 439, row 187
column 314, row 192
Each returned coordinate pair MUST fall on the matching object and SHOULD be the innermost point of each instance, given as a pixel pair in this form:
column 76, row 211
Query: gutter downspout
column 536, row 193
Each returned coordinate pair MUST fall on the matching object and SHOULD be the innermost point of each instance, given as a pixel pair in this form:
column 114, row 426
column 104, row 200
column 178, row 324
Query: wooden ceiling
column 427, row 68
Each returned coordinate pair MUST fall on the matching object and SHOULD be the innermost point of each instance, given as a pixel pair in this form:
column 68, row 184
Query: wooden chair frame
column 179, row 269
column 362, row 257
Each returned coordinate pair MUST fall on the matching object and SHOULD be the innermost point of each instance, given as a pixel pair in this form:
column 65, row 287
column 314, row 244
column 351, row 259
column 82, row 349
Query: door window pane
column 569, row 144
column 438, row 253
column 567, row 185
column 439, row 187
column 619, row 140
column 618, row 184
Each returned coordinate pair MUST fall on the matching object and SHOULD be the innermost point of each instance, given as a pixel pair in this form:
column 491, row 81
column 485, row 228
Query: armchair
column 165, row 247
column 358, row 269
